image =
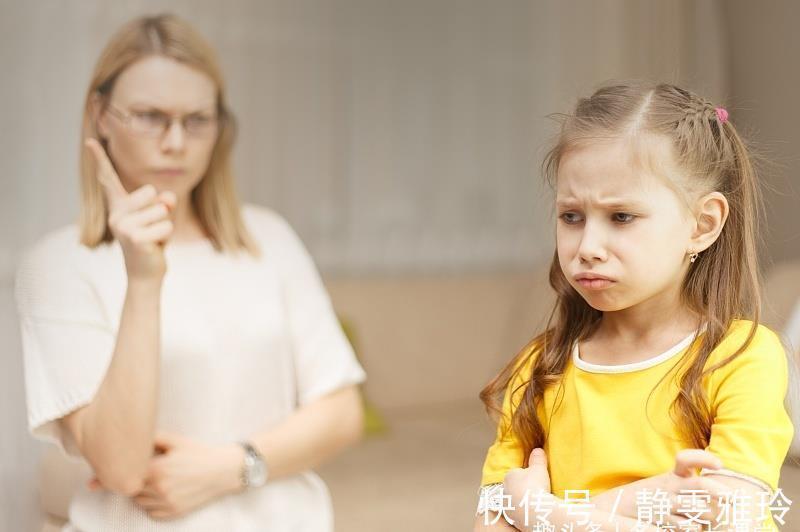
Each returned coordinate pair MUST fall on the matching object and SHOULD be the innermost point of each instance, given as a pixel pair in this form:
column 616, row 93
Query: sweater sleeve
column 323, row 358
column 67, row 341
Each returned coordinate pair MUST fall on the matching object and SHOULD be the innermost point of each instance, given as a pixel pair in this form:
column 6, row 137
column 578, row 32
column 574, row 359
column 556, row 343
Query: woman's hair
column 723, row 283
column 214, row 198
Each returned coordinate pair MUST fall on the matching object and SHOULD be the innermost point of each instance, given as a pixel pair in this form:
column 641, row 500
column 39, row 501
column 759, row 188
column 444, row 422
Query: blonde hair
column 214, row 198
column 721, row 286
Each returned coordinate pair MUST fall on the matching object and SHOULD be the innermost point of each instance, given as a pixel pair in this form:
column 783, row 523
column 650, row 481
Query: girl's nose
column 592, row 247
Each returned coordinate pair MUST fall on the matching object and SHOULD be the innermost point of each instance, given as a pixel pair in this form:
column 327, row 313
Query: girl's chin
column 600, row 302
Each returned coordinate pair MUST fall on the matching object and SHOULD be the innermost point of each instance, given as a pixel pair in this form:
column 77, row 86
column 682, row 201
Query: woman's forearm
column 115, row 431
column 313, row 433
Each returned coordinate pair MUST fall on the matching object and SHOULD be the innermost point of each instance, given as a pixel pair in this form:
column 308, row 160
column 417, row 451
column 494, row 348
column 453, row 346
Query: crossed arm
column 618, row 506
column 187, row 474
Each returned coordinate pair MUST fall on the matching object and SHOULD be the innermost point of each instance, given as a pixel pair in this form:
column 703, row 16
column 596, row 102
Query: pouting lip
column 589, row 275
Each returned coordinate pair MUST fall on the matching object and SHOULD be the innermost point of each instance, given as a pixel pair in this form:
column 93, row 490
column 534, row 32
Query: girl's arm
column 559, row 518
column 624, row 497
column 498, row 523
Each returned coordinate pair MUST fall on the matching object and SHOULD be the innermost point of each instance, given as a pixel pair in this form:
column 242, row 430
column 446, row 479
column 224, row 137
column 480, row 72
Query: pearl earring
column 693, row 257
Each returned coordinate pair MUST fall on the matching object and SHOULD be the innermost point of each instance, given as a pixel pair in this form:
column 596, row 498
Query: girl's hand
column 139, row 220
column 675, row 486
column 531, row 483
column 186, row 475
column 534, row 478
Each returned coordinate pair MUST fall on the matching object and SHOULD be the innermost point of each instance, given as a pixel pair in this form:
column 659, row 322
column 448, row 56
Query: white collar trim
column 635, row 366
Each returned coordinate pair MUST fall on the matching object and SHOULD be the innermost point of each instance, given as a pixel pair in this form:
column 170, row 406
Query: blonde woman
column 182, row 344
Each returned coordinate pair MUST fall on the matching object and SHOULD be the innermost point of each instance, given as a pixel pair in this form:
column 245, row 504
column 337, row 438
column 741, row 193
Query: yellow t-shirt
column 600, row 436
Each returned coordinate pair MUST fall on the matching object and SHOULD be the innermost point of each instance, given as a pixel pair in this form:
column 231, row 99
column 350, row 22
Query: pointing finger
column 106, row 174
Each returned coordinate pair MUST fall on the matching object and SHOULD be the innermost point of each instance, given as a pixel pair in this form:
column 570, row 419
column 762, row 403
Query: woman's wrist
column 144, row 287
column 231, row 459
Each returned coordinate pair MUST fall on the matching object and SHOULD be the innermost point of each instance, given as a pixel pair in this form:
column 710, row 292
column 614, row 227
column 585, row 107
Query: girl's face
column 143, row 143
column 622, row 234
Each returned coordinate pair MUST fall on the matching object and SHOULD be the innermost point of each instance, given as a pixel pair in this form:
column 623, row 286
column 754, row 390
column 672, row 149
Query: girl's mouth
column 595, row 284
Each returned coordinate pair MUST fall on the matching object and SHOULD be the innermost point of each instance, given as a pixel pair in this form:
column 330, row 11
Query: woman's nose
column 174, row 137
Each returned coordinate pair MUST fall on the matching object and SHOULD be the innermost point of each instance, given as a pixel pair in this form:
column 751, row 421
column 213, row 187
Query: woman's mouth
column 170, row 171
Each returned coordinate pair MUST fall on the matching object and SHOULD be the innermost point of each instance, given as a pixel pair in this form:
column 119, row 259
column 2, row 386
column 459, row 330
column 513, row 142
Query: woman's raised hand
column 138, row 220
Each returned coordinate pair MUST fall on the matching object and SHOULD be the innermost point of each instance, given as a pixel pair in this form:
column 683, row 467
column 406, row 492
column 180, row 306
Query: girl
column 654, row 344
column 180, row 343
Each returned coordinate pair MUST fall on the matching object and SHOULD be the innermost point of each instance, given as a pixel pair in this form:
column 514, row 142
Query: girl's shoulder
column 764, row 351
column 525, row 360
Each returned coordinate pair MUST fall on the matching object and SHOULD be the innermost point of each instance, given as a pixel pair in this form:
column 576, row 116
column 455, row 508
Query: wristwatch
column 254, row 469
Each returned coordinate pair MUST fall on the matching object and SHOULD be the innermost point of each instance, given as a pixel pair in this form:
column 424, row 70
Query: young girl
column 654, row 345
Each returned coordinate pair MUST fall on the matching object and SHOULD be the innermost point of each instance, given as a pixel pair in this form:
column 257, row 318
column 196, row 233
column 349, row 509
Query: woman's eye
column 197, row 121
column 153, row 117
column 570, row 217
column 623, row 217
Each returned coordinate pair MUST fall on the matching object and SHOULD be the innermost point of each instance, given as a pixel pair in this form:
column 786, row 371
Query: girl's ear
column 711, row 212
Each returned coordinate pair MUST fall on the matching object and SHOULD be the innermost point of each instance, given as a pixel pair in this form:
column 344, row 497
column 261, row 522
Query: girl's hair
column 721, row 286
column 214, row 198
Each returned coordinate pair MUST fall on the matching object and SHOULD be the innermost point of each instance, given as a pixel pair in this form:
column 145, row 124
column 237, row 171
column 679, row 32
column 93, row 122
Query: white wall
column 765, row 75
column 393, row 135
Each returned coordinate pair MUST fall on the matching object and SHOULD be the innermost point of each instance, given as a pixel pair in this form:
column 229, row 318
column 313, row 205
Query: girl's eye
column 570, row 217
column 623, row 217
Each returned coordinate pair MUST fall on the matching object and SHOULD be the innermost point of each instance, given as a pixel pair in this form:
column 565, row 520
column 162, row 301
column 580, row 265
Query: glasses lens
column 199, row 124
column 149, row 123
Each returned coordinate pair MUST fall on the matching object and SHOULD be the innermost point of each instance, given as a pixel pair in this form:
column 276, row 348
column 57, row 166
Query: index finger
column 106, row 174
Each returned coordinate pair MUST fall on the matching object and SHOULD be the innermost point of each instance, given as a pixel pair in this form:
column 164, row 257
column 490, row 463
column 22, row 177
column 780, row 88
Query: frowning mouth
column 593, row 281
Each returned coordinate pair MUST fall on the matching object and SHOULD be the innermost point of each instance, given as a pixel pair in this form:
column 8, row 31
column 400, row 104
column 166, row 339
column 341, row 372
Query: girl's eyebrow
column 609, row 203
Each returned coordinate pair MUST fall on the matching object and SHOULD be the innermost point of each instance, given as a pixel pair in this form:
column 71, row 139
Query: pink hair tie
column 722, row 114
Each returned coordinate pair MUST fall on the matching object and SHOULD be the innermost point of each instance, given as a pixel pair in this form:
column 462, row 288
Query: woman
column 183, row 346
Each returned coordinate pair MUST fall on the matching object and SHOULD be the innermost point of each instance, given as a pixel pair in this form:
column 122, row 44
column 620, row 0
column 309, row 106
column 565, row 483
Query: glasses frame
column 127, row 118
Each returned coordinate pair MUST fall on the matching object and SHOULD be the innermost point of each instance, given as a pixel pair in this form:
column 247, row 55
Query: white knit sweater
column 244, row 342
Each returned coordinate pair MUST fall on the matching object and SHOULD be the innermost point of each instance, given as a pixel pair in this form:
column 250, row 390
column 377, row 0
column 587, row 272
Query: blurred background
column 402, row 140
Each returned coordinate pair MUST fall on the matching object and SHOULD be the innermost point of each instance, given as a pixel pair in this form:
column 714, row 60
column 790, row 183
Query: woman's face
column 144, row 95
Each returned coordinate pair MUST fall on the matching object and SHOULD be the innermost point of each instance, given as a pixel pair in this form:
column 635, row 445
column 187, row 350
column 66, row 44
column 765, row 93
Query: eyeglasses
column 153, row 123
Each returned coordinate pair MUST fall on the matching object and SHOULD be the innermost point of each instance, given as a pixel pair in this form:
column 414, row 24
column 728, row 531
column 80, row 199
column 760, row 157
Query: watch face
column 257, row 474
